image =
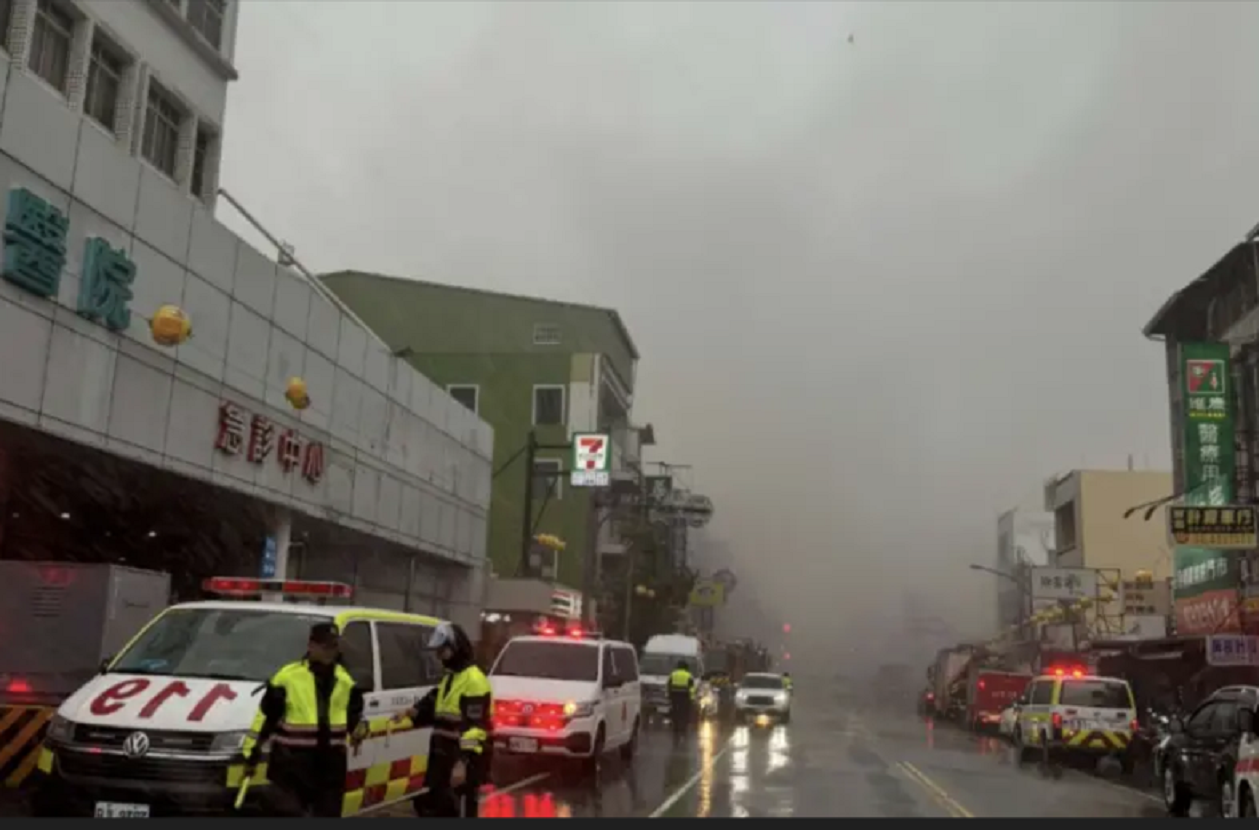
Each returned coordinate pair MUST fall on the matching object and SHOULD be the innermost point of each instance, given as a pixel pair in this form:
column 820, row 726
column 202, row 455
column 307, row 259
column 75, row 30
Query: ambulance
column 160, row 730
column 1067, row 711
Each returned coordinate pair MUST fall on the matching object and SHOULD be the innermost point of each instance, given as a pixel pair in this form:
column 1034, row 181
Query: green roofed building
column 521, row 363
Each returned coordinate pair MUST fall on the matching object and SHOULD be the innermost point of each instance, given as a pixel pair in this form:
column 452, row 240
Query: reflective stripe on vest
column 300, row 726
column 448, row 709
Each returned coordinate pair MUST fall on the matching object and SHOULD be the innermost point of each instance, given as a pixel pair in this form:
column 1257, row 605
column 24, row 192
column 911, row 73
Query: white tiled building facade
column 111, row 116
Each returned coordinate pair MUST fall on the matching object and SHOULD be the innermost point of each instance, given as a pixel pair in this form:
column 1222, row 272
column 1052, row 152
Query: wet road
column 837, row 758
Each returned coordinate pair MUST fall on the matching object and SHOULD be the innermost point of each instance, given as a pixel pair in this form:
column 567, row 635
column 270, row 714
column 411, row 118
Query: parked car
column 1199, row 758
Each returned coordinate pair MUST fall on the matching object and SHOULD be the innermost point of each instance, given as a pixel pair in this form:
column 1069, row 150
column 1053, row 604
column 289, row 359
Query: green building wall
column 464, row 337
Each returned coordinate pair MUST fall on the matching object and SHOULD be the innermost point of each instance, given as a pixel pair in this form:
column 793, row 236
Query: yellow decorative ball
column 170, row 326
column 296, row 393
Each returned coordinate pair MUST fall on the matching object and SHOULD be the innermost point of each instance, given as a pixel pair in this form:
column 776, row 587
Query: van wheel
column 1176, row 796
column 631, row 746
column 1248, row 804
column 591, row 765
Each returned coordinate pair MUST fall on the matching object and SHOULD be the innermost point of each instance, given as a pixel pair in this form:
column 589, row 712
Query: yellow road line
column 956, row 810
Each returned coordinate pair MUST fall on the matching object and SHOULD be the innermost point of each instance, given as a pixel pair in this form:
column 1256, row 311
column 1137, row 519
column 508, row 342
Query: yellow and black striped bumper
column 1096, row 740
column 22, row 731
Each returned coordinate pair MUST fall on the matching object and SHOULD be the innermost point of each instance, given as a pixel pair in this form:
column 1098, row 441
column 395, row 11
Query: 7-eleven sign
column 592, row 458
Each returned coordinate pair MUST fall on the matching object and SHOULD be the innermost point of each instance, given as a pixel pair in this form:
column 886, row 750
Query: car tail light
column 1056, row 720
column 1134, row 726
column 18, row 686
column 529, row 715
column 981, row 684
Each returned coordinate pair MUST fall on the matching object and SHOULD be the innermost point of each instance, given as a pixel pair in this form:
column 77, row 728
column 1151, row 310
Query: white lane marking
column 516, row 785
column 685, row 788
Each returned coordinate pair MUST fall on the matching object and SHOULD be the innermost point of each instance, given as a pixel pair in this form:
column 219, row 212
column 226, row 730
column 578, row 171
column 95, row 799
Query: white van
column 566, row 696
column 160, row 730
column 660, row 657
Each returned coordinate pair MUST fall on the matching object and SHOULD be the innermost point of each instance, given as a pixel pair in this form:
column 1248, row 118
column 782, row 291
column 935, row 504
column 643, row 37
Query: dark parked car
column 1196, row 760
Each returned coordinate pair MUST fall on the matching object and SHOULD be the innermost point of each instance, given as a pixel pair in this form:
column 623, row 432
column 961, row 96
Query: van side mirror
column 1246, row 721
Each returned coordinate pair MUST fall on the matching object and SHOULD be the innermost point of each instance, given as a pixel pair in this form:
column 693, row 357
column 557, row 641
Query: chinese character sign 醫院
column 35, row 252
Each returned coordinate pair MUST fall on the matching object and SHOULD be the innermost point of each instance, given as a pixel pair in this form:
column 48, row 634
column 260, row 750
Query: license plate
column 110, row 809
column 522, row 744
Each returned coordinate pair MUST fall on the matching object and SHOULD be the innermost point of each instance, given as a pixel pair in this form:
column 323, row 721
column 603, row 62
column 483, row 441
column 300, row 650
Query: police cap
column 325, row 633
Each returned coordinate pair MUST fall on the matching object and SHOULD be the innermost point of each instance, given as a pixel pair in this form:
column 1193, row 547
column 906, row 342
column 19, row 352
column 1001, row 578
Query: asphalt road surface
column 839, row 757
column 836, row 759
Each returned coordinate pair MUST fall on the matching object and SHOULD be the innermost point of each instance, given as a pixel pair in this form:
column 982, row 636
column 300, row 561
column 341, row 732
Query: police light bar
column 233, row 586
column 1064, row 671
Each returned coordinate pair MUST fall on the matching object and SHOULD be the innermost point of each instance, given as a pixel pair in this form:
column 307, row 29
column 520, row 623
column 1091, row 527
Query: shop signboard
column 1147, row 598
column 592, row 460
column 1231, row 527
column 1205, row 586
column 707, row 593
column 1232, row 650
column 1063, row 584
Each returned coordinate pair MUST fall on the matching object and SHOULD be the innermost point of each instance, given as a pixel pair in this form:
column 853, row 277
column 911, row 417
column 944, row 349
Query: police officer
column 308, row 710
column 459, row 710
column 681, row 690
column 787, row 680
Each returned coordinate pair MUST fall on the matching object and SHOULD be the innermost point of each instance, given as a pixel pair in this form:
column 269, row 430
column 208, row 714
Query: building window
column 104, row 80
column 50, row 43
column 206, row 16
column 162, row 120
column 6, row 16
column 548, row 405
column 200, row 158
column 547, row 473
column 546, row 334
column 466, row 394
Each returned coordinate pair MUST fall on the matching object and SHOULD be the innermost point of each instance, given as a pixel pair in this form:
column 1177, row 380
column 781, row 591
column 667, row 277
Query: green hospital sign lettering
column 35, row 235
column 34, row 243
column 105, row 288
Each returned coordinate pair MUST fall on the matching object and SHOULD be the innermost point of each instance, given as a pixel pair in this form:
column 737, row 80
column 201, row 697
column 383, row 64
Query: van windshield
column 556, row 660
column 218, row 643
column 656, row 664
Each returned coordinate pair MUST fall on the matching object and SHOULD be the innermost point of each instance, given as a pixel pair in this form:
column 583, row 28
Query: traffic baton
column 244, row 788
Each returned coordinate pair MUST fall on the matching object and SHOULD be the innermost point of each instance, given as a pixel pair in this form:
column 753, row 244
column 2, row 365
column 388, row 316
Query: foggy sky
column 882, row 289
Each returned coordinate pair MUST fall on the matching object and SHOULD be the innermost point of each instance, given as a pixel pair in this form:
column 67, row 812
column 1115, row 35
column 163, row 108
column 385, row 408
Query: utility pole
column 526, row 521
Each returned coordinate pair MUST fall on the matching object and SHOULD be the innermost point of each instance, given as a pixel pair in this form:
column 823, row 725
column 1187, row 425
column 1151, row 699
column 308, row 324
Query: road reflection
column 748, row 746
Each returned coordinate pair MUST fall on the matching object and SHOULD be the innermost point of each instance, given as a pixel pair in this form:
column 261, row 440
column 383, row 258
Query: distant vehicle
column 989, row 693
column 658, row 660
column 566, row 696
column 762, row 697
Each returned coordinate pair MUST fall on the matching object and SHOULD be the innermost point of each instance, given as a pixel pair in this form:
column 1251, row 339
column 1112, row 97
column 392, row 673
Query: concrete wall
column 403, row 460
column 1108, row 540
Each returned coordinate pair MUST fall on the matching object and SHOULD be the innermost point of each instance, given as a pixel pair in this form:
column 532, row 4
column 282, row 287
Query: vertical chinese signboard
column 1206, row 580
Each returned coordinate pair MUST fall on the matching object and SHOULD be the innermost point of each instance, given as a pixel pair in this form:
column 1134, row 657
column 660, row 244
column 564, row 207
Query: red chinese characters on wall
column 256, row 436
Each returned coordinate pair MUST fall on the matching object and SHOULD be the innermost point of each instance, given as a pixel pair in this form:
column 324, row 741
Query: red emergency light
column 244, row 587
column 1067, row 671
column 18, row 686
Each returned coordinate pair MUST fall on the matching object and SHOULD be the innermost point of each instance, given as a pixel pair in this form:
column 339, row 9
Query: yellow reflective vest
column 462, row 709
column 299, row 725
column 681, row 681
